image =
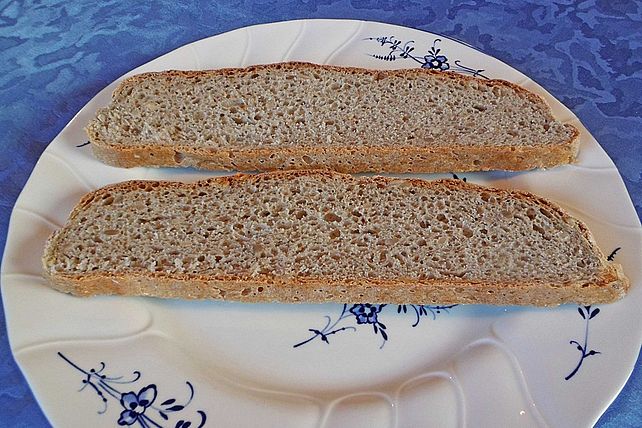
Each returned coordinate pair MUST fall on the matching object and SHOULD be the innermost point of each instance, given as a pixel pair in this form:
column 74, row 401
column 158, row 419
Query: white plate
column 461, row 366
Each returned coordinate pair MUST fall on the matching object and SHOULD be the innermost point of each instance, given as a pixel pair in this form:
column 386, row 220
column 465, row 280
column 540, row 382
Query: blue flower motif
column 366, row 313
column 136, row 404
column 433, row 59
column 436, row 62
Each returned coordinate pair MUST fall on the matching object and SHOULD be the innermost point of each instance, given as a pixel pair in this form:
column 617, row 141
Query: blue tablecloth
column 56, row 55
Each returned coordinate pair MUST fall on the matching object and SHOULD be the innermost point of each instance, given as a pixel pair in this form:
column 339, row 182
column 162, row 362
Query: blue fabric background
column 55, row 55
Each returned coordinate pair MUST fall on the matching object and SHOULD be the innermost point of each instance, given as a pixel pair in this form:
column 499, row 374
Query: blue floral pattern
column 587, row 314
column 137, row 406
column 433, row 59
column 368, row 314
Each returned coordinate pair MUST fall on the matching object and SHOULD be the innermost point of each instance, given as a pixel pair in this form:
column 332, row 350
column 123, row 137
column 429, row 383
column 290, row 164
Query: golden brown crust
column 344, row 159
column 349, row 159
column 610, row 286
column 320, row 290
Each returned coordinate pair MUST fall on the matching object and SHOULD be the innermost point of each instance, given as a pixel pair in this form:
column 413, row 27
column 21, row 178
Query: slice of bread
column 315, row 236
column 305, row 116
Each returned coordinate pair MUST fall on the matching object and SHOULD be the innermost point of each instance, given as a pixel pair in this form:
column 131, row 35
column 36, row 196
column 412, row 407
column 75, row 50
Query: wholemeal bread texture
column 307, row 116
column 316, row 236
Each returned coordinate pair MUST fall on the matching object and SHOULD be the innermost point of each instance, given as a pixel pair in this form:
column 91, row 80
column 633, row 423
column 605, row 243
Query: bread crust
column 353, row 158
column 610, row 285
